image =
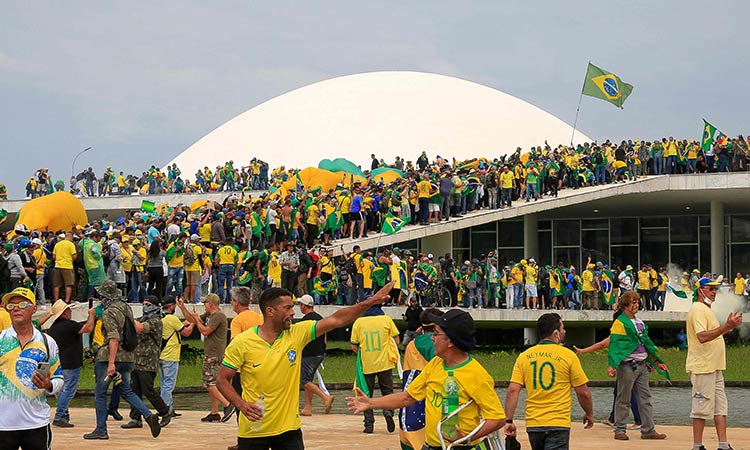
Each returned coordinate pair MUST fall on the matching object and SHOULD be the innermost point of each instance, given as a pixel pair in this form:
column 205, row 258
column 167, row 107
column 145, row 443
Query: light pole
column 73, row 164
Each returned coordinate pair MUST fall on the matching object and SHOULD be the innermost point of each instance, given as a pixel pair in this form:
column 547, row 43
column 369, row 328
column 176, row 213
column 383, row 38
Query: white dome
column 381, row 113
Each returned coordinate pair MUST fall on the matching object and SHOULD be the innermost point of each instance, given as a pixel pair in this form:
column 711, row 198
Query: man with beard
column 268, row 358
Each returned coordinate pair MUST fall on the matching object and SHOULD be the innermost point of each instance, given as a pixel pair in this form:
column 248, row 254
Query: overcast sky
column 142, row 81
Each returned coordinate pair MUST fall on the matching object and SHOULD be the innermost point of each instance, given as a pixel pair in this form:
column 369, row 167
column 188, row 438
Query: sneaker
column 153, row 424
column 653, row 435
column 62, row 423
column 115, row 414
column 229, row 411
column 390, row 424
column 166, row 418
column 132, row 424
column 368, row 429
column 211, row 418
column 621, row 437
column 175, row 413
column 102, row 435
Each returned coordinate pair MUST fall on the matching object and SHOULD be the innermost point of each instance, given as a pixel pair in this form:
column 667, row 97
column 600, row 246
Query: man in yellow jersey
column 373, row 337
column 64, row 254
column 41, row 262
column 268, row 358
column 169, row 360
column 548, row 371
column 453, row 338
column 424, row 189
column 227, row 255
column 192, row 260
column 176, row 264
column 532, row 295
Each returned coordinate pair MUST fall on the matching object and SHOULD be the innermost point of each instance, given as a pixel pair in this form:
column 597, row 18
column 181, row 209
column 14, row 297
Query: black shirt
column 65, row 333
column 412, row 318
column 316, row 347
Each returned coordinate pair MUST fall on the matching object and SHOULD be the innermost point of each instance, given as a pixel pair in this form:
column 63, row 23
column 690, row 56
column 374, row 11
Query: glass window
column 684, row 229
column 685, row 257
column 624, row 231
column 510, row 234
column 481, row 243
column 461, row 238
column 545, row 248
column 492, row 226
column 740, row 259
column 544, row 225
column 569, row 256
column 740, row 229
column 461, row 255
column 705, row 220
column 654, row 247
column 567, row 232
column 587, row 224
column 506, row 255
column 624, row 255
column 654, row 221
column 595, row 244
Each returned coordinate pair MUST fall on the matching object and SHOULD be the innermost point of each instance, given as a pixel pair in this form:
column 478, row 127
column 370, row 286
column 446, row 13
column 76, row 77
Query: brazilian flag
column 624, row 339
column 607, row 281
column 605, row 85
column 3, row 216
column 359, row 380
column 392, row 224
column 711, row 134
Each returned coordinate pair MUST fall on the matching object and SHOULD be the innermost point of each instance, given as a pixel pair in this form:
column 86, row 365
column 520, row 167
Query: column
column 717, row 238
column 531, row 236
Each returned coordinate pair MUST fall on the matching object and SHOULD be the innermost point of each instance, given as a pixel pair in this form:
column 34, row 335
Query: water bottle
column 450, row 404
column 260, row 403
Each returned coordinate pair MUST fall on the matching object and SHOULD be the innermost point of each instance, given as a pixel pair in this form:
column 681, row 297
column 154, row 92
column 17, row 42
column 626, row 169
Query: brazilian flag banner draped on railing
column 605, row 85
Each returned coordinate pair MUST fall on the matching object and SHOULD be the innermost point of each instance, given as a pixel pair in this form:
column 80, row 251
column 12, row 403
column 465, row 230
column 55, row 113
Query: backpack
column 189, row 256
column 129, row 335
column 350, row 266
column 659, row 279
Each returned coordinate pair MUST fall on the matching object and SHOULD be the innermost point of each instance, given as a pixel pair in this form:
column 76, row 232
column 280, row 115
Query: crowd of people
column 543, row 170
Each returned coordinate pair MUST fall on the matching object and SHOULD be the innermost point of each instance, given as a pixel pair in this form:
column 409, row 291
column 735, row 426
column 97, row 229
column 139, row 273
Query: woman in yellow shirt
column 327, row 270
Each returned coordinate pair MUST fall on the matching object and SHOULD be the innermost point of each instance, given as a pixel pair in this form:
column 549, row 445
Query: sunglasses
column 21, row 305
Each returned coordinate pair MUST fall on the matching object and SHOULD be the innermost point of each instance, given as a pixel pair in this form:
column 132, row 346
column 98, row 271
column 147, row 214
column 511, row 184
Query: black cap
column 168, row 300
column 458, row 326
column 154, row 300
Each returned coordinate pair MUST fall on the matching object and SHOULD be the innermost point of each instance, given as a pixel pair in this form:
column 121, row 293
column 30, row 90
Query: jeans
column 492, row 295
column 518, row 295
column 226, row 272
column 70, row 386
column 492, row 196
column 137, row 291
column 531, row 191
column 672, row 164
column 445, row 205
column 506, row 195
column 555, row 439
column 168, row 375
column 175, row 280
column 571, row 295
column 659, row 300
column 710, row 159
column 658, row 165
column 100, row 396
column 600, row 174
column 691, row 165
column 39, row 290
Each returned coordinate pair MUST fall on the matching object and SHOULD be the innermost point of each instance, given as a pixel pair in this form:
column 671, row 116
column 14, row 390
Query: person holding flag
column 631, row 356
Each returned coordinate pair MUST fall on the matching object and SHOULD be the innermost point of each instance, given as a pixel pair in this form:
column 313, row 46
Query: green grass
column 340, row 362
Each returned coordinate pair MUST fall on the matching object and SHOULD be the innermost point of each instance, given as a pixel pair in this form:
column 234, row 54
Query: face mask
column 150, row 310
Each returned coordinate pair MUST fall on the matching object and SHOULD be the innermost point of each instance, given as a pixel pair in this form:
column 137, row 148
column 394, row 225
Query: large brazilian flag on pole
column 605, row 85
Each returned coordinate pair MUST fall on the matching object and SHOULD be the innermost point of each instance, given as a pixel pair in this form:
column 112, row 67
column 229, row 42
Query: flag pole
column 578, row 109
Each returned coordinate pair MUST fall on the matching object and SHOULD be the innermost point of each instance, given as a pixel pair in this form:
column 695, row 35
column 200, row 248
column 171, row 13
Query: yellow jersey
column 367, row 267
column 312, row 214
column 5, row 321
column 475, row 384
column 178, row 259
column 272, row 371
column 41, row 260
column 373, row 336
column 423, row 189
column 63, row 254
column 197, row 253
column 548, row 372
column 170, row 331
column 227, row 255
column 244, row 321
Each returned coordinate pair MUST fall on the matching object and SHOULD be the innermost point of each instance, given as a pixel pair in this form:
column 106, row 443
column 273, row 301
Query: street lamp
column 73, row 165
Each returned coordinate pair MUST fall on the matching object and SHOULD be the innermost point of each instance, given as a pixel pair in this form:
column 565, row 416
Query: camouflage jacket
column 149, row 345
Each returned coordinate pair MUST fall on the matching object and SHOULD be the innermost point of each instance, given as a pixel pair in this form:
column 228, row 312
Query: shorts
column 709, row 397
column 433, row 207
column 531, row 290
column 64, row 277
column 309, row 365
column 192, row 277
column 210, row 370
column 354, row 216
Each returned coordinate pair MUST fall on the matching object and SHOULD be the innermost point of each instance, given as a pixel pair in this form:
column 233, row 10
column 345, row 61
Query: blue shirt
column 153, row 233
column 356, row 204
